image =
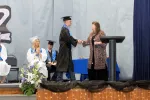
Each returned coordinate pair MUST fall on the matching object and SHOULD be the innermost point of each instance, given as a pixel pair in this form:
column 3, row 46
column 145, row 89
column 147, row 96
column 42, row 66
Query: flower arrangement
column 30, row 79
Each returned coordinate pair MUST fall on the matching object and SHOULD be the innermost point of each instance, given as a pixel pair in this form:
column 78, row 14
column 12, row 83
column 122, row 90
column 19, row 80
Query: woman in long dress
column 97, row 69
column 4, row 67
column 37, row 55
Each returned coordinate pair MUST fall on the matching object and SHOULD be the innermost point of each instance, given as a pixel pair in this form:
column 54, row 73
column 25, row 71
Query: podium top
column 119, row 39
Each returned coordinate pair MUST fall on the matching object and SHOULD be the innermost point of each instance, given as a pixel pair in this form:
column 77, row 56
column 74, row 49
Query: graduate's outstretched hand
column 80, row 41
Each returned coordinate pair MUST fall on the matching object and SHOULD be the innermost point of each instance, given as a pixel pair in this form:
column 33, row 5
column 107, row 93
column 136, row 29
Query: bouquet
column 30, row 79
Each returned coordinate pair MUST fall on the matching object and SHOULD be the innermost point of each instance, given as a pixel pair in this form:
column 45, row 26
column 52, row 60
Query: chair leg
column 18, row 75
column 7, row 78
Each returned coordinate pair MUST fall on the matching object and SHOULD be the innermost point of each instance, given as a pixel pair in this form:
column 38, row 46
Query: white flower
column 30, row 77
column 39, row 81
column 21, row 75
column 20, row 85
column 28, row 66
column 32, row 82
column 37, row 86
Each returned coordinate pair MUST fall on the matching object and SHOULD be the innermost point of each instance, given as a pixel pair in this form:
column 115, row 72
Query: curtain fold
column 141, row 40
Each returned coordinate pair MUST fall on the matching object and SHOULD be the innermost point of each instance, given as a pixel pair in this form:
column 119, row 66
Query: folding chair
column 12, row 60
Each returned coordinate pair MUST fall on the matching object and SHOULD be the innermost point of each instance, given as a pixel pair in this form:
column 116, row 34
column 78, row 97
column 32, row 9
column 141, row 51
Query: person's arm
column 30, row 56
column 67, row 38
column 100, row 43
column 87, row 42
column 104, row 44
column 54, row 63
column 3, row 53
column 47, row 63
column 56, row 57
column 43, row 55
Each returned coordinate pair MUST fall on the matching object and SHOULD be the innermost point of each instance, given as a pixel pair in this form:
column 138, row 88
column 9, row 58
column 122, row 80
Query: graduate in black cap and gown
column 51, row 61
column 66, row 41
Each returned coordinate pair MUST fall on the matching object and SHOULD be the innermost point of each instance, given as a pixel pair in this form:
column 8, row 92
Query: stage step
column 9, row 85
column 17, row 97
column 11, row 91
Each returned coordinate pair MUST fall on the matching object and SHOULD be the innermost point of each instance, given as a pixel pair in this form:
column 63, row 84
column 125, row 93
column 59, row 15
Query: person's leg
column 72, row 74
column 49, row 70
column 83, row 77
column 70, row 70
column 3, row 79
column 91, row 73
column 94, row 74
column 59, row 76
column 54, row 77
column 106, row 74
column 102, row 74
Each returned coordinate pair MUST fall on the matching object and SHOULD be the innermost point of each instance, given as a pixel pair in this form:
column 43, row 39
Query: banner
column 5, row 15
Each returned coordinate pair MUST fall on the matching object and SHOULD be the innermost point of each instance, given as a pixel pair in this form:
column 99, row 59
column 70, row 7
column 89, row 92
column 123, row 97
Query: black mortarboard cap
column 51, row 42
column 66, row 18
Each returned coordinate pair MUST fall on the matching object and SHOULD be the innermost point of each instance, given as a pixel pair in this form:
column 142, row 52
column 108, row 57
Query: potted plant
column 30, row 79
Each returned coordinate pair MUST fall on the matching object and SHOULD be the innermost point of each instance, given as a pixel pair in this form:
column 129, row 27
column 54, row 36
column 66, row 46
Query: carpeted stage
column 94, row 90
column 82, row 94
column 86, row 90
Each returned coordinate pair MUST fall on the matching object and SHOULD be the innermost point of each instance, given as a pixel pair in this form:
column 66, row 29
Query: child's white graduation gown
column 4, row 67
column 32, row 58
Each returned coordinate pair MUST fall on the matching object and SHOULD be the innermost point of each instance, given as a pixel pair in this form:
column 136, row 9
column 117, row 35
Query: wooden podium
column 112, row 40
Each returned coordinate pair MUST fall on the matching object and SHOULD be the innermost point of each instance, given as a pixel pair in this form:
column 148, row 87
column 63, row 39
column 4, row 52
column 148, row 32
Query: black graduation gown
column 64, row 58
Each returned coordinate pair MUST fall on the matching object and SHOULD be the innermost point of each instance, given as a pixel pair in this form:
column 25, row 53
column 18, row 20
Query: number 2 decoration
column 5, row 15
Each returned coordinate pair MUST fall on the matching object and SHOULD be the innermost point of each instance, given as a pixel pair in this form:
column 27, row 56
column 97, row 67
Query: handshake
column 80, row 41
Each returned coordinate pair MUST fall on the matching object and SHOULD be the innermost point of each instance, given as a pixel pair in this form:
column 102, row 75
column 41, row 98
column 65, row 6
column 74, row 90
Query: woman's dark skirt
column 100, row 74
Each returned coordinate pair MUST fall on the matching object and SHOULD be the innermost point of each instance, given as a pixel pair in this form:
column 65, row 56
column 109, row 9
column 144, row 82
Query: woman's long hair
column 97, row 25
column 98, row 29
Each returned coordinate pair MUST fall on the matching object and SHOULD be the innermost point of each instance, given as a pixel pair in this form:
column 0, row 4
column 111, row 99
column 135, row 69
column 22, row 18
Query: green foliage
column 28, row 89
column 30, row 79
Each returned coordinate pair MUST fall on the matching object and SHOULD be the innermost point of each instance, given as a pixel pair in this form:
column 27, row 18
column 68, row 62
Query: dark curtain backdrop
column 141, row 39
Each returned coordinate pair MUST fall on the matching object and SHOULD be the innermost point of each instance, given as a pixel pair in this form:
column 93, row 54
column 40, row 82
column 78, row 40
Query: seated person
column 51, row 61
column 36, row 54
column 4, row 67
